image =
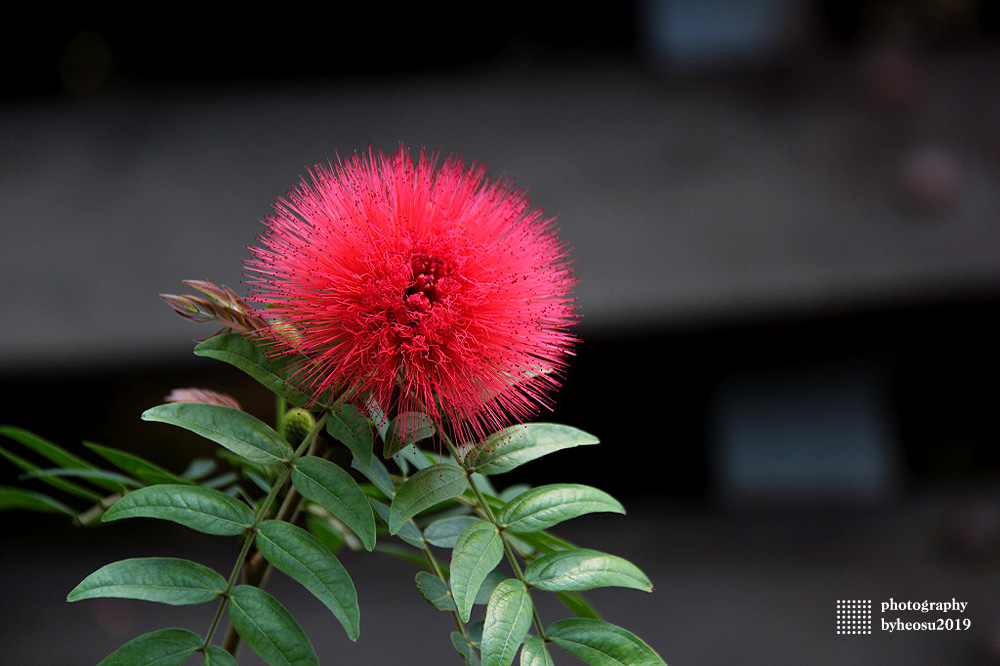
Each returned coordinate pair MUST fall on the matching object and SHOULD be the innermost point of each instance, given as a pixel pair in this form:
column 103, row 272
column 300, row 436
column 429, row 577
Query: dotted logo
column 854, row 616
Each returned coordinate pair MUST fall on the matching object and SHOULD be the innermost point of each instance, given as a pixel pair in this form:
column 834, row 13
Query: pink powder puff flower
column 427, row 288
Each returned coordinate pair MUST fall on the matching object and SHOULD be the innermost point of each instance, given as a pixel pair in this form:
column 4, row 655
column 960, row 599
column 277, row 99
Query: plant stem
column 440, row 574
column 490, row 516
column 257, row 569
column 280, row 407
column 232, row 639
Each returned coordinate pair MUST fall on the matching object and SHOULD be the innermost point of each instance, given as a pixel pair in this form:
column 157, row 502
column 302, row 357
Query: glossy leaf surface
column 601, row 643
column 269, row 629
column 349, row 426
column 166, row 580
column 545, row 506
column 202, row 509
column 408, row 531
column 406, row 429
column 477, row 552
column 164, row 647
column 216, row 656
column 423, row 490
column 304, row 558
column 231, row 428
column 435, row 591
column 331, row 487
column 465, row 649
column 376, row 472
column 512, row 447
column 508, row 616
column 534, row 653
column 444, row 533
column 583, row 569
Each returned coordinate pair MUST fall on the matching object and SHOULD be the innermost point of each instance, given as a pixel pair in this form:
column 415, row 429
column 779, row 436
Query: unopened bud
column 298, row 423
column 219, row 303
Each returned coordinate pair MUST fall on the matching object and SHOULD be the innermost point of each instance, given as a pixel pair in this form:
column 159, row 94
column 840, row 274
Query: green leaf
column 435, row 591
column 545, row 506
column 423, row 490
column 351, row 428
column 328, row 485
column 273, row 372
column 475, row 632
column 135, row 466
column 465, row 649
column 269, row 629
column 508, row 616
column 332, row 534
column 493, row 579
column 167, row 580
column 240, row 462
column 416, row 457
column 510, row 492
column 413, row 557
column 237, row 431
column 202, row 509
column 376, row 472
column 545, row 542
column 584, row 569
column 444, row 532
column 89, row 474
column 56, row 454
column 406, row 429
column 601, row 643
column 409, row 532
column 258, row 480
column 477, row 552
column 16, row 498
column 534, row 653
column 216, row 656
column 223, row 479
column 54, row 481
column 374, row 410
column 485, row 486
column 198, row 469
column 577, row 605
column 304, row 558
column 164, row 647
column 514, row 446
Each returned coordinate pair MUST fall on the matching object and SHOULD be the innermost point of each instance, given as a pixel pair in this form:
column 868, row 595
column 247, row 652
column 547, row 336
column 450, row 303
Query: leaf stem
column 232, row 639
column 280, row 407
column 440, row 574
column 490, row 516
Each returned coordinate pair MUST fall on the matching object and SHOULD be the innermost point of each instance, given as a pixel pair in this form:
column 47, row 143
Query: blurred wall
column 751, row 188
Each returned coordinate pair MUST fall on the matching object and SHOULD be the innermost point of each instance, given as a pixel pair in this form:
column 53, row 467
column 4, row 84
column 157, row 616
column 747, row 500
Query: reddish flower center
column 423, row 291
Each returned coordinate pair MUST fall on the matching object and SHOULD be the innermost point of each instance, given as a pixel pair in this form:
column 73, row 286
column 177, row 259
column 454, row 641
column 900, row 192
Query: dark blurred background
column 786, row 222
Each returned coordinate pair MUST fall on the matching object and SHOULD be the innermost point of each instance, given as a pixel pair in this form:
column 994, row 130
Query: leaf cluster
column 481, row 553
column 502, row 552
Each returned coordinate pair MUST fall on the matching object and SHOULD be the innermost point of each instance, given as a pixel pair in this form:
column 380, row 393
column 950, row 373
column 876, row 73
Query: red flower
column 429, row 288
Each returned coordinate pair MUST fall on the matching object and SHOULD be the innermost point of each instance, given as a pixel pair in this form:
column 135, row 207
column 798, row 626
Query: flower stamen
column 424, row 289
column 421, row 284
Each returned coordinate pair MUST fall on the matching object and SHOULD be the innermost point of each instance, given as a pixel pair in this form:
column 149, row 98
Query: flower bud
column 297, row 424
